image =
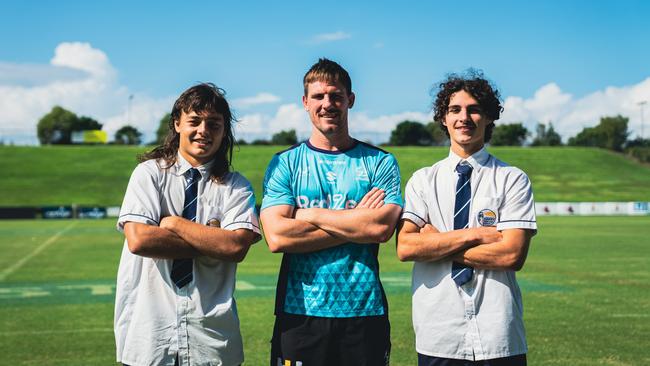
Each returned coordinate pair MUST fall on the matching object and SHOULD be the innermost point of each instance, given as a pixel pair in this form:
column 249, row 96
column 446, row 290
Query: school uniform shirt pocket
column 485, row 211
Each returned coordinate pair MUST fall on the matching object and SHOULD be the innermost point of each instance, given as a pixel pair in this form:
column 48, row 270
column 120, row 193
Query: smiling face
column 327, row 104
column 466, row 122
column 200, row 136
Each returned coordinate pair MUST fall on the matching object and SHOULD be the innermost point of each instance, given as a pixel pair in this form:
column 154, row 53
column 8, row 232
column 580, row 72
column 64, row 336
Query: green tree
column 438, row 136
column 611, row 133
column 55, row 127
column 84, row 123
column 128, row 135
column 513, row 134
column 163, row 128
column 410, row 133
column 284, row 138
column 546, row 137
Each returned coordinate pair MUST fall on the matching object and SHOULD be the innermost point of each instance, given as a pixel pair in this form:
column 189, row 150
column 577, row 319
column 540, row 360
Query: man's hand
column 373, row 199
column 168, row 222
column 487, row 235
column 480, row 235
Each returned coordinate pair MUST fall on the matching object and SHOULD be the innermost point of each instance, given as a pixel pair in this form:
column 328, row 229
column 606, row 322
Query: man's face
column 327, row 105
column 200, row 135
column 466, row 123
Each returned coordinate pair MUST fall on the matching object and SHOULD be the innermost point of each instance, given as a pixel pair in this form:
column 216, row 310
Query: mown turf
column 97, row 175
column 586, row 289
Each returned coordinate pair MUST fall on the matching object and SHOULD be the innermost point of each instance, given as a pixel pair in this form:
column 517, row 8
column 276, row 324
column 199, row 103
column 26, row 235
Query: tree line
column 57, row 126
column 611, row 133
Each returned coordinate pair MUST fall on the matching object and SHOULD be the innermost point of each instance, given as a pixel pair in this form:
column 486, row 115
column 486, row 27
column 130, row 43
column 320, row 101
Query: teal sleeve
column 387, row 177
column 277, row 184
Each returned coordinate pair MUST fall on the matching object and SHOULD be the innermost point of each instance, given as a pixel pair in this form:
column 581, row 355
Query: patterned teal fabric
column 342, row 281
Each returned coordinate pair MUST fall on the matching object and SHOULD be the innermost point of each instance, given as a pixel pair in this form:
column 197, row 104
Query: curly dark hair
column 474, row 83
column 204, row 97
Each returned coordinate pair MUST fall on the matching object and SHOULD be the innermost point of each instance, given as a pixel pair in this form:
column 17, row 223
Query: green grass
column 63, row 175
column 586, row 289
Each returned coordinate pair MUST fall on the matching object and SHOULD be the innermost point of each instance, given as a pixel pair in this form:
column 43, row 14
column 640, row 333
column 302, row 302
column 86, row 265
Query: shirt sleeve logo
column 487, row 217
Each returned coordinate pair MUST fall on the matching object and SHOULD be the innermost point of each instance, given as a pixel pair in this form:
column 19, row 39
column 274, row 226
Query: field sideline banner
column 592, row 208
column 639, row 208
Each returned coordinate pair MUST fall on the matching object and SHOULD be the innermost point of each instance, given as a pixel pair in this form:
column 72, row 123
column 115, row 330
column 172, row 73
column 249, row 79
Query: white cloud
column 570, row 115
column 33, row 74
column 330, row 37
column 261, row 98
column 83, row 81
column 82, row 56
column 261, row 126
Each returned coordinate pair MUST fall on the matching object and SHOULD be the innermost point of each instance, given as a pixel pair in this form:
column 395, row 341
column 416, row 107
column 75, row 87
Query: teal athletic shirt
column 342, row 281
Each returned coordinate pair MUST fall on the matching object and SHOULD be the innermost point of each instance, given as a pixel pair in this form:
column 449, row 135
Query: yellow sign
column 89, row 137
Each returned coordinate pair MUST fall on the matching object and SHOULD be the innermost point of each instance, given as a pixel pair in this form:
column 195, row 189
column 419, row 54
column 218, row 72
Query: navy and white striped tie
column 182, row 268
column 461, row 273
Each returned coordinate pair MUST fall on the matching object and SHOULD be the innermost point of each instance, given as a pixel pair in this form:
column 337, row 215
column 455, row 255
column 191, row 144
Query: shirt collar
column 476, row 160
column 182, row 166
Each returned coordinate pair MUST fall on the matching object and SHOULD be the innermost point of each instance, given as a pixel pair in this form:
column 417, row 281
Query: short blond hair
column 328, row 71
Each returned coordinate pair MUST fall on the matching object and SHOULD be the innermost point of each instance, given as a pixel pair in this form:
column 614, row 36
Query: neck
column 194, row 162
column 465, row 151
column 334, row 142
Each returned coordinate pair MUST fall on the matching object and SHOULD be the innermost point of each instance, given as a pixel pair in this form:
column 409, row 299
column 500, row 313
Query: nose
column 327, row 102
column 202, row 127
column 463, row 115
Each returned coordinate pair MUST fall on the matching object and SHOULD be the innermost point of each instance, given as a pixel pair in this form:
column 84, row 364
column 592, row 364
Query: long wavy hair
column 474, row 83
column 205, row 97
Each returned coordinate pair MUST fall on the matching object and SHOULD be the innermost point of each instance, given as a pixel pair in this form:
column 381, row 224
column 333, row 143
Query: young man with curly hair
column 187, row 220
column 467, row 224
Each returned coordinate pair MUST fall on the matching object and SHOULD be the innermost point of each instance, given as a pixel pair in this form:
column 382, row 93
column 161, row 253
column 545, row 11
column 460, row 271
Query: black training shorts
column 300, row 340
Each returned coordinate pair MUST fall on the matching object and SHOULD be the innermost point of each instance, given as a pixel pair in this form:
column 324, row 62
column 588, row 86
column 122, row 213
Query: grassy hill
column 97, row 175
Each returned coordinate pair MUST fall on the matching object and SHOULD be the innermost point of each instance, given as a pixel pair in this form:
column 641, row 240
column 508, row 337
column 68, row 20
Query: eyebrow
column 467, row 106
column 211, row 117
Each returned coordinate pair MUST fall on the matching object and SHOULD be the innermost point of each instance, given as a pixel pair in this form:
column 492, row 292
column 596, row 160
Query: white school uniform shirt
column 154, row 320
column 483, row 319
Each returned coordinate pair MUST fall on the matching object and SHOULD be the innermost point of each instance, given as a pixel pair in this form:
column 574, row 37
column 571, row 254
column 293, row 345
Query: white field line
column 632, row 315
column 8, row 271
column 56, row 331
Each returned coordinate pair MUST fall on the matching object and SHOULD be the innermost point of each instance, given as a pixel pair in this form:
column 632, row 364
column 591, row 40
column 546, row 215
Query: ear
column 177, row 126
column 351, row 100
column 304, row 102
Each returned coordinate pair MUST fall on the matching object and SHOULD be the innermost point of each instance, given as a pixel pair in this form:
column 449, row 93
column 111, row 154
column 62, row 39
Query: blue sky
column 564, row 62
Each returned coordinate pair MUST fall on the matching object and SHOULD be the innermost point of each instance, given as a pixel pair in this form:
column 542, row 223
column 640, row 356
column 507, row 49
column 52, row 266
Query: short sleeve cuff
column 517, row 224
column 242, row 225
column 408, row 215
column 130, row 217
column 268, row 203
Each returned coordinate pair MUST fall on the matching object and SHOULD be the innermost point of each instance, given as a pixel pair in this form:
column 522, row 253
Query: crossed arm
column 291, row 230
column 177, row 237
column 481, row 247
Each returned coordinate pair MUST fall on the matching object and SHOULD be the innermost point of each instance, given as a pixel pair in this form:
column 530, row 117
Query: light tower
column 641, row 104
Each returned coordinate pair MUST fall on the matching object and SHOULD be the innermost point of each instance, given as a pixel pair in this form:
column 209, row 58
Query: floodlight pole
column 641, row 104
column 128, row 109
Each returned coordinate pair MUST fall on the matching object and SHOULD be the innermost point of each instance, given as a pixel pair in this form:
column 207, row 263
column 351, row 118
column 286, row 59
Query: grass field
column 586, row 289
column 87, row 175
